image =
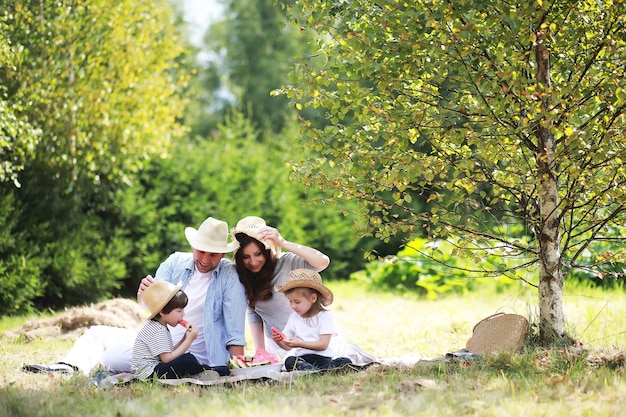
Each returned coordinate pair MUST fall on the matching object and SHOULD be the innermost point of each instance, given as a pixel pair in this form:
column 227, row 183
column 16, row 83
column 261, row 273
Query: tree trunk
column 551, row 321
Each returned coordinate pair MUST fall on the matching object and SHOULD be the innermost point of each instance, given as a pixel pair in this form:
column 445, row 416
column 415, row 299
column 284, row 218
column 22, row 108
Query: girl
column 310, row 328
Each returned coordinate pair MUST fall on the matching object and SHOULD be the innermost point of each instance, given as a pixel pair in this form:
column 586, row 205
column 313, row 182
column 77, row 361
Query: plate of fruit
column 258, row 364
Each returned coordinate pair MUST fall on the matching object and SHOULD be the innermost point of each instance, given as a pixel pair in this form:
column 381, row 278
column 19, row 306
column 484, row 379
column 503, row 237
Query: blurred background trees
column 115, row 137
column 96, row 92
column 117, row 132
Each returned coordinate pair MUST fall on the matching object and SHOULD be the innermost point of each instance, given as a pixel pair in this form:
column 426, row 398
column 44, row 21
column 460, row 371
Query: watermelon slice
column 232, row 364
column 255, row 363
column 278, row 332
column 261, row 357
column 184, row 323
column 239, row 362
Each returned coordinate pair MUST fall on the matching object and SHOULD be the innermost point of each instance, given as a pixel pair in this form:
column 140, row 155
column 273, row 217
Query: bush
column 411, row 270
column 20, row 273
column 230, row 176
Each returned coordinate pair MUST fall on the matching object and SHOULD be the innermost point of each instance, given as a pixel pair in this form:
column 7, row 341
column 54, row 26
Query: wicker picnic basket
column 498, row 333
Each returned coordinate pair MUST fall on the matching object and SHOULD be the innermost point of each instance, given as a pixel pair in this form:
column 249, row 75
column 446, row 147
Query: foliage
column 254, row 49
column 93, row 92
column 479, row 139
column 17, row 136
column 112, row 180
column 74, row 248
column 430, row 269
column 501, row 114
column 100, row 79
column 100, row 177
column 20, row 281
column 230, row 176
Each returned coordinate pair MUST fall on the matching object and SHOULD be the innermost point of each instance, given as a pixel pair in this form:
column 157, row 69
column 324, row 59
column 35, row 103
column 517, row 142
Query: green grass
column 536, row 382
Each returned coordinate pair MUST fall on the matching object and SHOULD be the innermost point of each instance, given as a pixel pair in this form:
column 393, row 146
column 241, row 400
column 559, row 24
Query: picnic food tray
column 257, row 371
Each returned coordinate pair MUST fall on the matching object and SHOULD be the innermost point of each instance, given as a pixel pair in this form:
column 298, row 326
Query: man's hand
column 144, row 284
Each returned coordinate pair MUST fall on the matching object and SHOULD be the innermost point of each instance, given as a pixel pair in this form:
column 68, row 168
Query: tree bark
column 551, row 320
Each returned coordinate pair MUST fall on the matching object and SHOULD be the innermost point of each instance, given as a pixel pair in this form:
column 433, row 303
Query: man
column 217, row 305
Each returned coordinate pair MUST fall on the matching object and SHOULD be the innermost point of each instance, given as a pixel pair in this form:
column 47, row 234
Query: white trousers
column 111, row 347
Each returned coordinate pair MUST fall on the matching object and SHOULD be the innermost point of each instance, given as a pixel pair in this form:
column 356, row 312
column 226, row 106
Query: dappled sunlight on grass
column 596, row 319
column 391, row 325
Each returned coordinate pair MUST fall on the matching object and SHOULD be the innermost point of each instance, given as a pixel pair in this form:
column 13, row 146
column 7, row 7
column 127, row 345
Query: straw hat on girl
column 309, row 279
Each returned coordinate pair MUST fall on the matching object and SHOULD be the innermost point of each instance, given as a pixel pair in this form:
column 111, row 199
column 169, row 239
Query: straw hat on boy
column 309, row 279
column 211, row 236
column 250, row 226
column 157, row 295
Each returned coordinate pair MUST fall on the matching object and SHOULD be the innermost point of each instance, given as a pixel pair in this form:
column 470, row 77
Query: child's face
column 173, row 317
column 301, row 300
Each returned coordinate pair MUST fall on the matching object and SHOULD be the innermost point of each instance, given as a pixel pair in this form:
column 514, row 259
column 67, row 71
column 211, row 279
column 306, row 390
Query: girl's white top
column 309, row 330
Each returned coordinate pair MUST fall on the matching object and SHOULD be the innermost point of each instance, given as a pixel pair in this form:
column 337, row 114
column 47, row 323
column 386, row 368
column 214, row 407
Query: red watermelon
column 262, row 357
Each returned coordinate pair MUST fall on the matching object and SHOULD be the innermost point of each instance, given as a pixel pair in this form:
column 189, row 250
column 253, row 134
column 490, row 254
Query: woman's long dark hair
column 258, row 286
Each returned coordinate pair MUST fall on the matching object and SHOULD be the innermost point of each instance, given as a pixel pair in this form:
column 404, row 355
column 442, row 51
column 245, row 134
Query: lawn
column 573, row 382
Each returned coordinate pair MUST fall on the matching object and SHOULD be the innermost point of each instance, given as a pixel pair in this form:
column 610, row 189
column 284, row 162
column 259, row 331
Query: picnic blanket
column 360, row 360
column 209, row 378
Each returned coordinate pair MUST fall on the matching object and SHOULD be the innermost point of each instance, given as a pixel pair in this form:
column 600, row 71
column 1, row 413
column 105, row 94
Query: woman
column 262, row 264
